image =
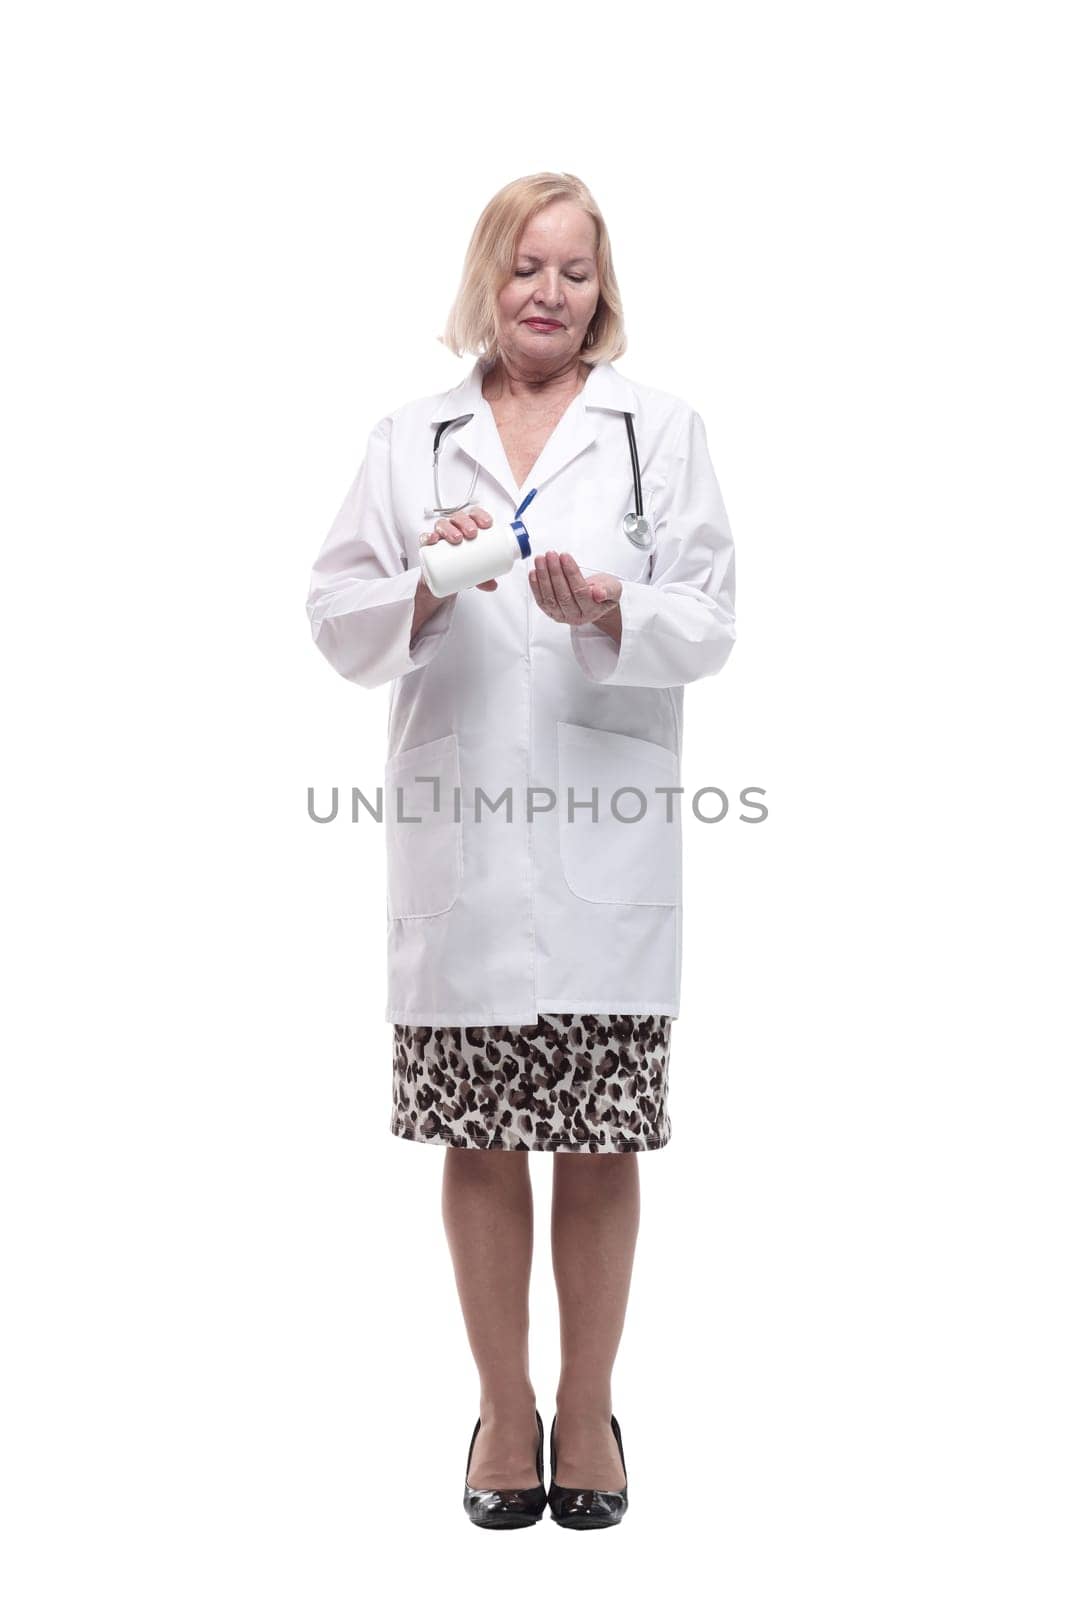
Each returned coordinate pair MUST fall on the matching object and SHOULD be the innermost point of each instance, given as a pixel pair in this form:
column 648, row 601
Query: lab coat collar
column 605, row 390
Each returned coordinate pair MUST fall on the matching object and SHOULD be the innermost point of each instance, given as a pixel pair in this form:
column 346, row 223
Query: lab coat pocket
column 424, row 845
column 626, row 853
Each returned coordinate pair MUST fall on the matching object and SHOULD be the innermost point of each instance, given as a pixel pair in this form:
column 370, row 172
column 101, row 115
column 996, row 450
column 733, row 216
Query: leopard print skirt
column 595, row 1083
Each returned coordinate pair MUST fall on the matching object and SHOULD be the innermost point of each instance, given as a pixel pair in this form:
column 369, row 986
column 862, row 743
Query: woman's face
column 554, row 279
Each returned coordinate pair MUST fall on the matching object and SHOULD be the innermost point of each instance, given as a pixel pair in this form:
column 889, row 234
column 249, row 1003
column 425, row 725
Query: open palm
column 566, row 595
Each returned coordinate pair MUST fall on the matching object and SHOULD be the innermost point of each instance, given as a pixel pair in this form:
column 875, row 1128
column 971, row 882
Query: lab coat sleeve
column 680, row 625
column 362, row 597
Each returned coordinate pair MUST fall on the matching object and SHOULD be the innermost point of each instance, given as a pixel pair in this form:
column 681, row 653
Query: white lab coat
column 491, row 918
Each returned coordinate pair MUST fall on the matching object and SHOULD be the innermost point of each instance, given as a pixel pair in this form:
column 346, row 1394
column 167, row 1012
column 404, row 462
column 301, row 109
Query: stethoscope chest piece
column 637, row 530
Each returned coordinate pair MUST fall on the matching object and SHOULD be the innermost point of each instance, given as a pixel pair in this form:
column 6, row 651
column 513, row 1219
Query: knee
column 593, row 1177
column 490, row 1167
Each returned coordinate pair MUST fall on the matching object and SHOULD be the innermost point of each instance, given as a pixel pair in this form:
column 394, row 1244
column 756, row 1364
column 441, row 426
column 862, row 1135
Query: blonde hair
column 490, row 260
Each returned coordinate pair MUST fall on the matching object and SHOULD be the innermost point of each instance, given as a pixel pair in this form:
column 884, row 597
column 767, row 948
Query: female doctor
column 533, row 840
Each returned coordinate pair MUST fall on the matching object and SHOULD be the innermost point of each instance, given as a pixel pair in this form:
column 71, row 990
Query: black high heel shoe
column 507, row 1508
column 587, row 1508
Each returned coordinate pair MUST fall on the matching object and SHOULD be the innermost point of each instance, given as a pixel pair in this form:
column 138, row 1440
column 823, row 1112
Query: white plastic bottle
column 493, row 551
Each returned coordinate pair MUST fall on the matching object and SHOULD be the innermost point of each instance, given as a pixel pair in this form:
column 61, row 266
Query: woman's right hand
column 464, row 525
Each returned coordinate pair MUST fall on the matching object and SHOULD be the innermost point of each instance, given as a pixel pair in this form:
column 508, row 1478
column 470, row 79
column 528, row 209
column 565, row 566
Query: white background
column 234, row 1360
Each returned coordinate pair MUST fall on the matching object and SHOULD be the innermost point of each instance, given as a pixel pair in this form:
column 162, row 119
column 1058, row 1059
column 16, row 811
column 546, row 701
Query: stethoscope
column 635, row 524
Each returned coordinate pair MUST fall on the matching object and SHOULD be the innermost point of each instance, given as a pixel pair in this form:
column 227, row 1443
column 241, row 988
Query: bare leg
column 595, row 1215
column 487, row 1205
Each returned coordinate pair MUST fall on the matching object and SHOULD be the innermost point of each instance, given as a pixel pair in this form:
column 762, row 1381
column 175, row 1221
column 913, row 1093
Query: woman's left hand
column 565, row 595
